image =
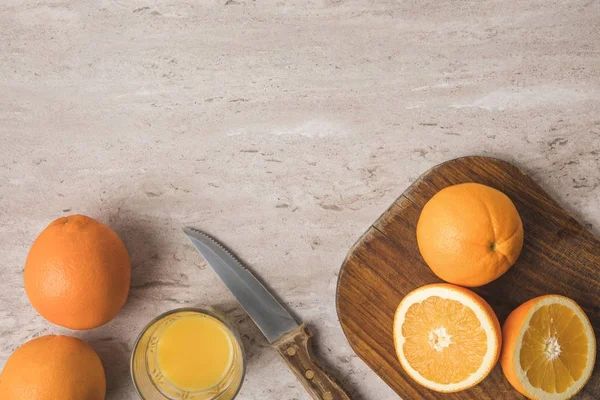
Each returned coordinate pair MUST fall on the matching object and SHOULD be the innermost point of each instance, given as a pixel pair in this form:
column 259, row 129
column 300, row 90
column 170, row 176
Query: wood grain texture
column 296, row 350
column 559, row 257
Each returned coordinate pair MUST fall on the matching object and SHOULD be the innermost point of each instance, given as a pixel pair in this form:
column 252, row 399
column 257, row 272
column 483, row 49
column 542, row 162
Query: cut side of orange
column 447, row 338
column 549, row 348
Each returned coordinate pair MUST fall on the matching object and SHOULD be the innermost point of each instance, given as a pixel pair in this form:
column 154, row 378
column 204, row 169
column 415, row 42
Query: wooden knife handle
column 296, row 350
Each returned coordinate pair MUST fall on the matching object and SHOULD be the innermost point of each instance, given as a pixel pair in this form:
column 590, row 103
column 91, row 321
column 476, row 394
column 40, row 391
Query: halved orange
column 549, row 348
column 447, row 338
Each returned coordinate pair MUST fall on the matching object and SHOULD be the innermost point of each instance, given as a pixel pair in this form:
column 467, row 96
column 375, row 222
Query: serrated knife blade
column 291, row 340
column 269, row 315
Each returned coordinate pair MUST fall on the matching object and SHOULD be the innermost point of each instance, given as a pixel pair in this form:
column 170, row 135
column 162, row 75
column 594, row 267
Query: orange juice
column 195, row 352
column 188, row 354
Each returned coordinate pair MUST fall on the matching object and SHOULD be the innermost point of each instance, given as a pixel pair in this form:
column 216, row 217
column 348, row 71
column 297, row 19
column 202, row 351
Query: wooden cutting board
column 559, row 256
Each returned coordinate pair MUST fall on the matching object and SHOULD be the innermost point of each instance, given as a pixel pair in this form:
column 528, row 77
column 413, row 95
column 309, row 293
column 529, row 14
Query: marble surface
column 284, row 128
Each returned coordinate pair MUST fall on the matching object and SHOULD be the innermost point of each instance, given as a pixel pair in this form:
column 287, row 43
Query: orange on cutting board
column 53, row 367
column 549, row 348
column 469, row 234
column 77, row 273
column 447, row 338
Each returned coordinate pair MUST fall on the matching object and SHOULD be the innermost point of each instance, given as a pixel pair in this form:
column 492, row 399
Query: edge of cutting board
column 385, row 264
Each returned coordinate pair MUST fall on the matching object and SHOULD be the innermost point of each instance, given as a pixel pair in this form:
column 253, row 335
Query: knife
column 290, row 339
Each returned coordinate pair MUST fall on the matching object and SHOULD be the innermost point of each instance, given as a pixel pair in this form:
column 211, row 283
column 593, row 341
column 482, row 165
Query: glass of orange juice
column 188, row 353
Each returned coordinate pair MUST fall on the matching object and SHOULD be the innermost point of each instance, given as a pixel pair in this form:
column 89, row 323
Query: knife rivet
column 327, row 396
column 309, row 374
column 291, row 351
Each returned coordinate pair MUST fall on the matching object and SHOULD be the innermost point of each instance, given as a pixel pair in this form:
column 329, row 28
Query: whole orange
column 469, row 234
column 77, row 273
column 53, row 367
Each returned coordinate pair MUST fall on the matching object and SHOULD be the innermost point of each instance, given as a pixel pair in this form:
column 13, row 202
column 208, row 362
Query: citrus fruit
column 469, row 234
column 447, row 337
column 77, row 273
column 549, row 348
column 53, row 367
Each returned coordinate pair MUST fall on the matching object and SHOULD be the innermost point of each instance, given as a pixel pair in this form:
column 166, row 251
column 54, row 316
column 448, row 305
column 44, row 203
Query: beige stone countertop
column 285, row 128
